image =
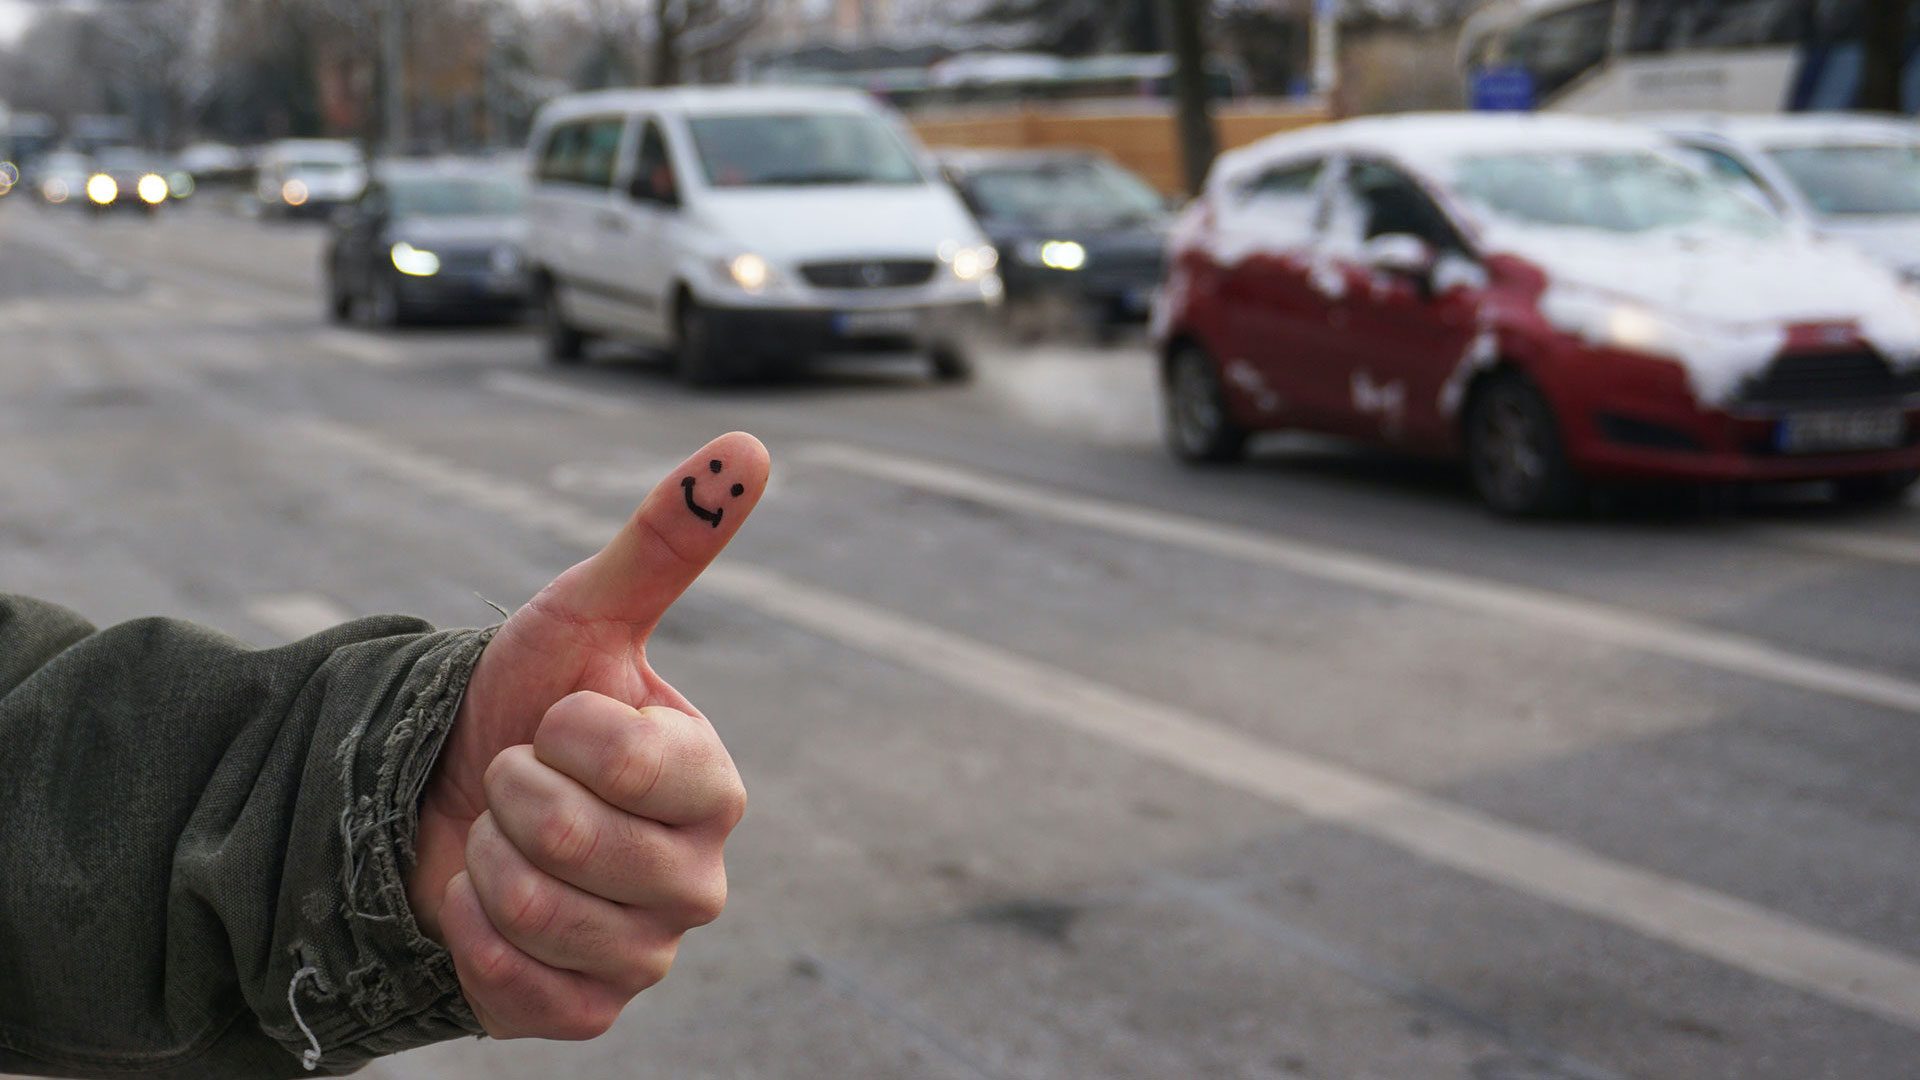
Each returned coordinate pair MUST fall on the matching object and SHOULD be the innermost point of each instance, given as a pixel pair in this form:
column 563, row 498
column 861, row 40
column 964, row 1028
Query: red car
column 1554, row 299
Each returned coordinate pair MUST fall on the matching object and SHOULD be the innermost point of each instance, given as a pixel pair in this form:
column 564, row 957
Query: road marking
column 1868, row 546
column 559, row 395
column 1874, row 546
column 1732, row 931
column 1594, row 621
column 359, row 347
column 296, row 615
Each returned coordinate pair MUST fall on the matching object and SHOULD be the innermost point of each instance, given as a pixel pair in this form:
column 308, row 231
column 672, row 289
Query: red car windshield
column 1614, row 191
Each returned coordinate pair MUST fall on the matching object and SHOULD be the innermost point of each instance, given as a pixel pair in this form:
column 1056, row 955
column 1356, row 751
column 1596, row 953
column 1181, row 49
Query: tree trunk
column 1884, row 45
column 1191, row 106
column 666, row 45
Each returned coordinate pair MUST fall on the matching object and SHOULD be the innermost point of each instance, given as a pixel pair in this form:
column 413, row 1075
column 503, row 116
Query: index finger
column 656, row 763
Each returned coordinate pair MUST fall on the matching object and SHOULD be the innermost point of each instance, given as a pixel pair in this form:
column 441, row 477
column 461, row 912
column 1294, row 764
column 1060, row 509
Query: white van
column 747, row 227
column 309, row 177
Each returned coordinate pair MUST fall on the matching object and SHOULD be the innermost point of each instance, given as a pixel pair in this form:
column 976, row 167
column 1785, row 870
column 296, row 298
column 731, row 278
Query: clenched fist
column 572, row 829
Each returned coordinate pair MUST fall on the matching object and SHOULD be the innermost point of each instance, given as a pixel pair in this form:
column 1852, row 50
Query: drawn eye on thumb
column 713, row 516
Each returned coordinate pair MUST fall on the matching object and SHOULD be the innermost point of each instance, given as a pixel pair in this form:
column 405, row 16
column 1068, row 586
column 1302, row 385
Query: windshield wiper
column 803, row 179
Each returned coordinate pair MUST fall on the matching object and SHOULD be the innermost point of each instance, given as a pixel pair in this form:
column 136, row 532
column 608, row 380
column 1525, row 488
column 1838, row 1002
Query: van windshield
column 801, row 148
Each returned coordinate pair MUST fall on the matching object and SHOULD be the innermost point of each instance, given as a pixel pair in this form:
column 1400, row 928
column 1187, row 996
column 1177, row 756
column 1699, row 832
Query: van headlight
column 969, row 262
column 413, row 261
column 748, row 271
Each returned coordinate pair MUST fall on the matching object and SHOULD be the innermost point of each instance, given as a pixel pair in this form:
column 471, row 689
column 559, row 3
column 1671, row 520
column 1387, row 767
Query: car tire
column 696, row 358
column 564, row 344
column 1875, row 489
column 1515, row 457
column 385, row 308
column 339, row 301
column 1200, row 429
column 950, row 362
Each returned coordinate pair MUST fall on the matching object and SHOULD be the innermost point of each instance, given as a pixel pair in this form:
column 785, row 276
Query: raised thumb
column 682, row 524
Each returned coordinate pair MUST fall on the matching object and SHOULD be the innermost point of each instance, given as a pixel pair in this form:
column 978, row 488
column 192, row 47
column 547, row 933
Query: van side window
column 653, row 176
column 557, row 158
column 599, row 151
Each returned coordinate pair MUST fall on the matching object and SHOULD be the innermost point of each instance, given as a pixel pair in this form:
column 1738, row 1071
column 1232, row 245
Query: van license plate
column 1852, row 429
column 876, row 323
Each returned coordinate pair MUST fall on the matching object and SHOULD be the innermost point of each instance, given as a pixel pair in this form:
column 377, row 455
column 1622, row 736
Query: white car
column 1850, row 178
column 309, row 177
column 747, row 228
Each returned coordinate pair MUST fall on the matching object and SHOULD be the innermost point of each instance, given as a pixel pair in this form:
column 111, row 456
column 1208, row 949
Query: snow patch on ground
column 1111, row 396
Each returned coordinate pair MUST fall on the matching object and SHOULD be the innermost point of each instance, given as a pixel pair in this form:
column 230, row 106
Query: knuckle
column 504, row 772
column 733, row 802
column 529, row 906
column 495, row 964
column 568, row 837
column 634, row 762
column 652, row 966
column 705, row 900
column 583, row 1021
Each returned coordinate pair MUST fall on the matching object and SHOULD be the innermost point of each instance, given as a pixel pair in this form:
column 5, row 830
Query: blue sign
column 1501, row 89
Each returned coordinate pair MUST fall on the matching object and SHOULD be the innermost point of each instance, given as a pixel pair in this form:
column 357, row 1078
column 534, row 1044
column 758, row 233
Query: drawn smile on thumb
column 713, row 516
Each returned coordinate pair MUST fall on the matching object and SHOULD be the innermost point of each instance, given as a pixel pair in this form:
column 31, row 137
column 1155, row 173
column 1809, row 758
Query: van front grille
column 868, row 273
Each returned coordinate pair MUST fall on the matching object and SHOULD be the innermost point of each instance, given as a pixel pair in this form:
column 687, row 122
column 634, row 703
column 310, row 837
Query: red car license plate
column 1850, row 429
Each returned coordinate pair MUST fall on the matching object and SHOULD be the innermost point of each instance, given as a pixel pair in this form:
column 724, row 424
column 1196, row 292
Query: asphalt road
column 1065, row 761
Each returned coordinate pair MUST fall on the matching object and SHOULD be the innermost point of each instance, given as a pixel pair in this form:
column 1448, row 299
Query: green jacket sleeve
column 203, row 846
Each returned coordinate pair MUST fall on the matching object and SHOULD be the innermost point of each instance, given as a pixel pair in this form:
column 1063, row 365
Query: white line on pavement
column 296, row 615
column 1875, row 546
column 1537, row 607
column 548, row 392
column 1734, row 932
column 361, row 348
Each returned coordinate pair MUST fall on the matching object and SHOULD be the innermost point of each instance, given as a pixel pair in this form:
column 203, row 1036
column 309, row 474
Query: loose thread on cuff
column 311, row 1057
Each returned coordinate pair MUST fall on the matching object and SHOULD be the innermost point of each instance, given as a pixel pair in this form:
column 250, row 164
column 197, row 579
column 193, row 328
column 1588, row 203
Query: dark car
column 1070, row 225
column 429, row 239
column 124, row 178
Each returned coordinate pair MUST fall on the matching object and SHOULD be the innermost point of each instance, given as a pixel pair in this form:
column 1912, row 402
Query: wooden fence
column 1141, row 137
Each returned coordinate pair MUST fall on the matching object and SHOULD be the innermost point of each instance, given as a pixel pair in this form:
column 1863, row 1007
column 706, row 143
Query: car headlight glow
column 749, row 271
column 413, row 261
column 293, row 193
column 152, row 189
column 102, row 189
column 968, row 263
column 180, row 184
column 1636, row 329
column 9, row 172
column 1065, row 255
column 54, row 191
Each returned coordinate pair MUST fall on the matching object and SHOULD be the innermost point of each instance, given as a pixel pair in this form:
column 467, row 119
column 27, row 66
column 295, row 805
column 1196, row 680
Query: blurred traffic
column 1427, row 488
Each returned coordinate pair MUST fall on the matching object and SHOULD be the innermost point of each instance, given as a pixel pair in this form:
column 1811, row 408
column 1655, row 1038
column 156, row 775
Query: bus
column 1628, row 56
column 1011, row 78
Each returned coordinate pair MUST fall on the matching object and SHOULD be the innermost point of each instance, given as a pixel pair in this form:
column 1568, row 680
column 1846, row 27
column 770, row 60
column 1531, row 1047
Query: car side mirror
column 643, row 188
column 1401, row 255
